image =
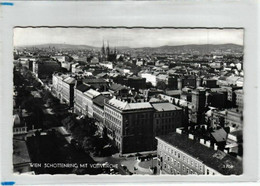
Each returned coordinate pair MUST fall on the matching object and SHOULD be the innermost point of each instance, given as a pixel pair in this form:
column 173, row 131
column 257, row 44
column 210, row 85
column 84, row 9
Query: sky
column 131, row 37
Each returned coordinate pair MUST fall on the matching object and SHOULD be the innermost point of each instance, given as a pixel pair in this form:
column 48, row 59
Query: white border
column 185, row 13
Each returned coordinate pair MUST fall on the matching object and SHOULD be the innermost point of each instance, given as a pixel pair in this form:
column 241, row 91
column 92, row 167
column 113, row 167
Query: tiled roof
column 117, row 87
column 92, row 93
column 221, row 162
column 70, row 80
column 165, row 107
column 143, row 105
column 123, row 105
column 117, row 103
column 99, row 100
column 219, row 135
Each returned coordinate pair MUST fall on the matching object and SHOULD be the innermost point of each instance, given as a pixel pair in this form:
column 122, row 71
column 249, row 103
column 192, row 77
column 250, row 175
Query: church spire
column 108, row 50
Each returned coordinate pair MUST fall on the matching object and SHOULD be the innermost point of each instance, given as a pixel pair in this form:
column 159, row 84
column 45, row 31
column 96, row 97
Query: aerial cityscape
column 128, row 101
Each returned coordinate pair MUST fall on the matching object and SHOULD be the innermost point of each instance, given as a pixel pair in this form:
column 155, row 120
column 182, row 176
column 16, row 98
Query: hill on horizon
column 166, row 48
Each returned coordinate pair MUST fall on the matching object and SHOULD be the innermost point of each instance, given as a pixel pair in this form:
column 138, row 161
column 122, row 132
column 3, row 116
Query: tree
column 37, row 84
column 104, row 133
column 46, row 95
column 87, row 144
column 49, row 102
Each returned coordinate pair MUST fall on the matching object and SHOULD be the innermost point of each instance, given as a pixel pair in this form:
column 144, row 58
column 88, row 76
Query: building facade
column 88, row 101
column 181, row 154
column 129, row 125
column 78, row 98
column 63, row 88
column 239, row 98
column 167, row 117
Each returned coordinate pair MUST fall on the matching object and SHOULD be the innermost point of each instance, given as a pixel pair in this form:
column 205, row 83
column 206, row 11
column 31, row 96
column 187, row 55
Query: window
column 179, row 155
column 191, row 172
column 171, row 151
column 183, row 168
column 174, row 163
column 207, row 171
column 179, row 166
column 183, row 157
column 187, row 171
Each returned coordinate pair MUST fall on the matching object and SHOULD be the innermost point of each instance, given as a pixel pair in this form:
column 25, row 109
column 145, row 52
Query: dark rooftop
column 117, row 87
column 82, row 87
column 217, row 160
column 91, row 81
column 99, row 100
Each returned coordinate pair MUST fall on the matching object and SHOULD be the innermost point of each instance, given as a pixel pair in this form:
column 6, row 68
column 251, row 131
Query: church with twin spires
column 107, row 54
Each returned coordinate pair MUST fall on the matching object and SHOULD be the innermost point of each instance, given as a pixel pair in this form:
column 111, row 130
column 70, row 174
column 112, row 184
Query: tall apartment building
column 63, row 87
column 78, row 97
column 179, row 154
column 98, row 108
column 88, row 101
column 129, row 125
column 239, row 98
column 198, row 100
column 167, row 117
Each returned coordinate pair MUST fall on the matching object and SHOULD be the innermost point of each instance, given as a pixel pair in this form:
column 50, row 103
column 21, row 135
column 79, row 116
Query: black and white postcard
column 128, row 100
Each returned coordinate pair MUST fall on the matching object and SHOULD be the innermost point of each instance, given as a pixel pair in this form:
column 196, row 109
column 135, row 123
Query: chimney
column 215, row 146
column 226, row 151
column 202, row 141
column 178, row 130
column 179, row 84
column 191, row 136
column 208, row 143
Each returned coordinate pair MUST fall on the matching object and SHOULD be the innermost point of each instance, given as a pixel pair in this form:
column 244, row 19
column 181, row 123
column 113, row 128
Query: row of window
column 114, row 120
column 111, row 112
column 167, row 120
column 166, row 114
column 185, row 170
column 99, row 111
column 164, row 129
column 180, row 156
column 112, row 126
column 20, row 130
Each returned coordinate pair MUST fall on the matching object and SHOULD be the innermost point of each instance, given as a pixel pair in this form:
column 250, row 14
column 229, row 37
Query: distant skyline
column 129, row 37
